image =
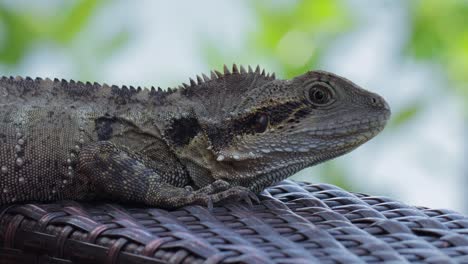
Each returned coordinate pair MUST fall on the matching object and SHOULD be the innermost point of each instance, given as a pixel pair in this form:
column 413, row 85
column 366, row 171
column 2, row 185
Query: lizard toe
column 220, row 185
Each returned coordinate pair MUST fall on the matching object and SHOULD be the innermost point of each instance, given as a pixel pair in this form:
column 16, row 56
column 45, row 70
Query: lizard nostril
column 379, row 102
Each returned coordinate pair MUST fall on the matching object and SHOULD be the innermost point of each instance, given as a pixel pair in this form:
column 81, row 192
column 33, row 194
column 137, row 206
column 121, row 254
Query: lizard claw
column 249, row 198
column 201, row 199
column 248, row 201
column 209, row 204
column 254, row 197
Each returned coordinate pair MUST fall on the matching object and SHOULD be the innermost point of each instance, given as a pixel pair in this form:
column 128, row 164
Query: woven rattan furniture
column 294, row 223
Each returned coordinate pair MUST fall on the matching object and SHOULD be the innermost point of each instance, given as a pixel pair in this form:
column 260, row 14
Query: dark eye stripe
column 223, row 134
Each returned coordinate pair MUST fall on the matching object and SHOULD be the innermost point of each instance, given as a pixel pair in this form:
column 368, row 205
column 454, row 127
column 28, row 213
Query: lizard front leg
column 118, row 173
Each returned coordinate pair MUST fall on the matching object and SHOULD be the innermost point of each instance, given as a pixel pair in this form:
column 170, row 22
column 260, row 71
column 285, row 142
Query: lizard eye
column 320, row 94
column 261, row 123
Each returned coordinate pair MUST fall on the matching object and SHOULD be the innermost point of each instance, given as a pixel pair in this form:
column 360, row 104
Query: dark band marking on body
column 183, row 129
column 223, row 134
column 103, row 127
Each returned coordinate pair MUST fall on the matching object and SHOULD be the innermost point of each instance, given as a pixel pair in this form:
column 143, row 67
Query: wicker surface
column 295, row 223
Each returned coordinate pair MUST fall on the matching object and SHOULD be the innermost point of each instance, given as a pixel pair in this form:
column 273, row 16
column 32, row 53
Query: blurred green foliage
column 290, row 37
column 295, row 38
column 23, row 28
column 71, row 21
column 440, row 33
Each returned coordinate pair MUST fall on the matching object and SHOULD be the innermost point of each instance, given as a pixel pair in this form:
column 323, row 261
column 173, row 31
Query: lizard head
column 283, row 126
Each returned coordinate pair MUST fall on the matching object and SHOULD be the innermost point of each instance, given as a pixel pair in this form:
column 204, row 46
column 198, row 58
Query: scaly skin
column 220, row 138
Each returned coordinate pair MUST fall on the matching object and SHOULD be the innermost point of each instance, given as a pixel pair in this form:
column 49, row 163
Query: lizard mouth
column 355, row 133
column 272, row 174
column 366, row 127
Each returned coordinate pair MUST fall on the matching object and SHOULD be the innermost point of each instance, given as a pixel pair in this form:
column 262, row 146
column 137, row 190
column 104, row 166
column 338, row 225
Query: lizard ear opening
column 225, row 134
column 229, row 140
column 183, row 129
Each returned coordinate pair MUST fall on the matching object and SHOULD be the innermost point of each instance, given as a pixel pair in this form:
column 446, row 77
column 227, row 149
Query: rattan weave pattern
column 294, row 223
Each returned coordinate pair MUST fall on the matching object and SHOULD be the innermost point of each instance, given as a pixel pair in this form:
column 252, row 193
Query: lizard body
column 219, row 138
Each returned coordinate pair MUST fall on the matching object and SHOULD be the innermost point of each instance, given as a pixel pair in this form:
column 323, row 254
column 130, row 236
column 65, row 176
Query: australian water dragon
column 218, row 138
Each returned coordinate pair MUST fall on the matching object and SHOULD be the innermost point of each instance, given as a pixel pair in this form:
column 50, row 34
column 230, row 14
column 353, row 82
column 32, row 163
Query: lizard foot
column 215, row 187
column 217, row 192
column 236, row 193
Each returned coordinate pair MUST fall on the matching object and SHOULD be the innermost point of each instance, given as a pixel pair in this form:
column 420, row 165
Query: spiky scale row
column 215, row 74
column 129, row 90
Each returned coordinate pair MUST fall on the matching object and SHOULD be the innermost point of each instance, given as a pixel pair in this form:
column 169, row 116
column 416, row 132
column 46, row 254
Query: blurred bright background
column 413, row 53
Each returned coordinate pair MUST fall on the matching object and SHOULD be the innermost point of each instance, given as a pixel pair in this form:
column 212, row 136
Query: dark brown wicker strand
column 294, row 223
